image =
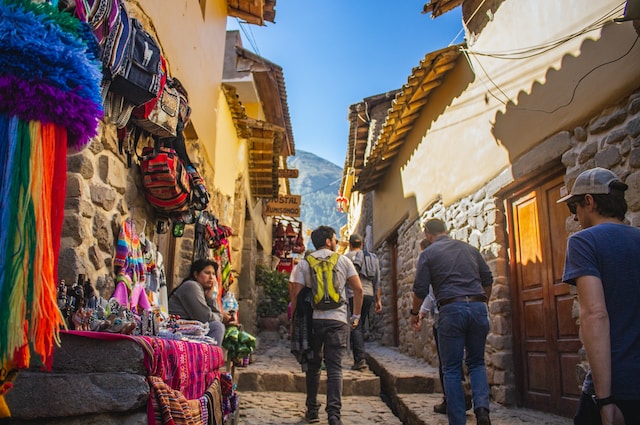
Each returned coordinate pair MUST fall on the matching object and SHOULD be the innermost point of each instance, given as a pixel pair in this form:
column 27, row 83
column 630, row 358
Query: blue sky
column 335, row 53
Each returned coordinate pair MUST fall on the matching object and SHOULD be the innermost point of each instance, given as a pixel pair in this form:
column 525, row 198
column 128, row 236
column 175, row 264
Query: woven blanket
column 189, row 367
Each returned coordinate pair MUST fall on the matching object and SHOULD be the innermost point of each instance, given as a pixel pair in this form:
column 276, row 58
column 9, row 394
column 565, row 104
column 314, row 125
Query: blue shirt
column 611, row 252
column 453, row 267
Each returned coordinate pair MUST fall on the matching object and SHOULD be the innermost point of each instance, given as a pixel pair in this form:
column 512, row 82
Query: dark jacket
column 303, row 328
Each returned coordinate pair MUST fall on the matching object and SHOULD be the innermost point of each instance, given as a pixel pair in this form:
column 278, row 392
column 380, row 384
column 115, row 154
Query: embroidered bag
column 137, row 78
column 167, row 184
column 102, row 15
column 326, row 294
column 159, row 116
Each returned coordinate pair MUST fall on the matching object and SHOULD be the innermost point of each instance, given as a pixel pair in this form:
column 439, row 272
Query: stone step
column 401, row 374
column 258, row 379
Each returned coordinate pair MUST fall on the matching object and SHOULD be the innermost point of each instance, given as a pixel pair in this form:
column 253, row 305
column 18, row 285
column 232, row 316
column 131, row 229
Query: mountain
column 318, row 182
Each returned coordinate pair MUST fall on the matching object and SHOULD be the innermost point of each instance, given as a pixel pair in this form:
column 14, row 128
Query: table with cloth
column 183, row 376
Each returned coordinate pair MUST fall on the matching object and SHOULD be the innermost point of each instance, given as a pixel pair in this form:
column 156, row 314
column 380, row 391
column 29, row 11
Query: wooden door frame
column 517, row 190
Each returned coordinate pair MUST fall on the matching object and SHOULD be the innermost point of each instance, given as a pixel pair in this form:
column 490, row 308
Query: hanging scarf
column 49, row 100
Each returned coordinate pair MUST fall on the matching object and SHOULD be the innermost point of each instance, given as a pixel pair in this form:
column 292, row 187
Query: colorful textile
column 189, row 367
column 171, row 407
column 180, row 374
column 50, row 100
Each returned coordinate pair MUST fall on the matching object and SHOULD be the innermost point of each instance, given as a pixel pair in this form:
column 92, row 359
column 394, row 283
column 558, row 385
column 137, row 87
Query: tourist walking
column 368, row 268
column 461, row 282
column 602, row 262
column 327, row 273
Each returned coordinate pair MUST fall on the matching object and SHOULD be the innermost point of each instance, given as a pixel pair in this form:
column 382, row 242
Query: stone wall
column 91, row 382
column 102, row 192
column 610, row 140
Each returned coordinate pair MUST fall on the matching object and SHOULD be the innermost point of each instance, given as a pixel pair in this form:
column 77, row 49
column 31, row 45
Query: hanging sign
column 288, row 205
column 288, row 173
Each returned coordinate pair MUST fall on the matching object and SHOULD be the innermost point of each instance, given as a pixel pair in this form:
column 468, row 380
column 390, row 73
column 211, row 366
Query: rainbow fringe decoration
column 50, row 101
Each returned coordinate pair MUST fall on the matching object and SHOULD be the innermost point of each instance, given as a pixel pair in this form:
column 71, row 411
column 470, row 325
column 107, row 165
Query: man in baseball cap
column 602, row 262
column 595, row 181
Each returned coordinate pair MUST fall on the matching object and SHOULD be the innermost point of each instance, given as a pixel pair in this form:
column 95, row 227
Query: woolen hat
column 594, row 181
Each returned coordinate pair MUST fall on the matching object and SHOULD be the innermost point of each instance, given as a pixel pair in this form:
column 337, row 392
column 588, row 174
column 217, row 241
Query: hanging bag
column 138, row 78
column 166, row 182
column 159, row 116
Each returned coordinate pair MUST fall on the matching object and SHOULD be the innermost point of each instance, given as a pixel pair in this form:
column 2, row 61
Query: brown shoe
column 442, row 407
column 468, row 403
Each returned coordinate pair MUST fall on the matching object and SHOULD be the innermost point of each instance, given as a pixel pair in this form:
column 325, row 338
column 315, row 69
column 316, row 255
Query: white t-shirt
column 344, row 269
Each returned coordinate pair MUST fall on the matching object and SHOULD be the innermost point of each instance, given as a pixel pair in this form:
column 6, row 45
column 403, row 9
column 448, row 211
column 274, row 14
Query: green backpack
column 326, row 294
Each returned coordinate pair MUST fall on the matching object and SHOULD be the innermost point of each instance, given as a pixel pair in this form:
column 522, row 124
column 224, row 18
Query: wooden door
column 545, row 335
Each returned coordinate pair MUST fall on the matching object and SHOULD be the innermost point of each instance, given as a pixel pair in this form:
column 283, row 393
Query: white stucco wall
column 488, row 114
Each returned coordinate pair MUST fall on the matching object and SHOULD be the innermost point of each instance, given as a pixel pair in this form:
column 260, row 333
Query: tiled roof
column 406, row 108
column 253, row 11
column 438, row 7
column 264, row 144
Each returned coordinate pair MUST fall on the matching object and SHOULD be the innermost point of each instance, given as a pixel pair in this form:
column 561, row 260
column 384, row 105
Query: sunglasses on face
column 573, row 205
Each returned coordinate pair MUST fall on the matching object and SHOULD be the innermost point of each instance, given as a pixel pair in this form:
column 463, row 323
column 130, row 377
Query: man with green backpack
column 327, row 273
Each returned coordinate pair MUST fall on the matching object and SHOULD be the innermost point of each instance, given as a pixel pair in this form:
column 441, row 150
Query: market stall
column 57, row 75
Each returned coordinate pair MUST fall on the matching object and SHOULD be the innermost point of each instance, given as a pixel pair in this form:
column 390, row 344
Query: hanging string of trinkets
column 50, row 101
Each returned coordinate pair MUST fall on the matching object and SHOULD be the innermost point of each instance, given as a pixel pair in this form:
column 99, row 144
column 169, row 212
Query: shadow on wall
column 600, row 75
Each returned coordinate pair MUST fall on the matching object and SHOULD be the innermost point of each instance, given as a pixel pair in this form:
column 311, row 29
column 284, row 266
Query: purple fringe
column 39, row 101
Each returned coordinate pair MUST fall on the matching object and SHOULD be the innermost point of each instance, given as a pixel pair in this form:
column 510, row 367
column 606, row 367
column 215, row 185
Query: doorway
column 546, row 341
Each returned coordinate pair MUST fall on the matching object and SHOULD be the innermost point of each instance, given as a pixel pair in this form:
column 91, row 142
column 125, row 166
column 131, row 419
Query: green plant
column 275, row 292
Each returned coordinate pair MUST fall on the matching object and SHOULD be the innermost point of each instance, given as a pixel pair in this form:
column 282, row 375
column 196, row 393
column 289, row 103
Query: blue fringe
column 33, row 48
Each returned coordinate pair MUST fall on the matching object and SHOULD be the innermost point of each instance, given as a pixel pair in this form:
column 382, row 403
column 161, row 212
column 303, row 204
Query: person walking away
column 327, row 273
column 602, row 262
column 461, row 282
column 368, row 268
column 196, row 298
column 430, row 309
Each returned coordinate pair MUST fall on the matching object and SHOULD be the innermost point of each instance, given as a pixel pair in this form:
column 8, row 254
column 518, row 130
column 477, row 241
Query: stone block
column 608, row 158
column 44, row 395
column 138, row 417
column 77, row 354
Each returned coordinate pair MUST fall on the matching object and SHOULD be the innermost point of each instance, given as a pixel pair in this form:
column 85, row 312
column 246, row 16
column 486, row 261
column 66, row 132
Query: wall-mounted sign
column 289, row 173
column 288, row 205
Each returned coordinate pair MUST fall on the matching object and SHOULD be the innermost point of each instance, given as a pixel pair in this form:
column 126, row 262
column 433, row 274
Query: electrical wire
column 531, row 51
column 324, row 187
column 538, row 50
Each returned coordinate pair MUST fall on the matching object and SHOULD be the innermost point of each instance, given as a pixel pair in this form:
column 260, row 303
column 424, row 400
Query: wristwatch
column 603, row 401
column 412, row 313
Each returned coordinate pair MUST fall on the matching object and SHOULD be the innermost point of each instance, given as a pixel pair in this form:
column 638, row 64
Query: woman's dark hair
column 199, row 265
column 320, row 235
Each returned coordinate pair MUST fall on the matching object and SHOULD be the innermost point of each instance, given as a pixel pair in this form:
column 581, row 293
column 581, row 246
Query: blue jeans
column 357, row 334
column 329, row 338
column 463, row 325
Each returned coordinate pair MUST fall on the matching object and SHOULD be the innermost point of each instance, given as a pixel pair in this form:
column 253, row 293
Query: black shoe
column 360, row 365
column 335, row 421
column 312, row 416
column 442, row 407
column 482, row 416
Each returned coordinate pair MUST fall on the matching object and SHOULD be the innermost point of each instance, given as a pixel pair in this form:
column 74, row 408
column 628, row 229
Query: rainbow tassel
column 50, row 101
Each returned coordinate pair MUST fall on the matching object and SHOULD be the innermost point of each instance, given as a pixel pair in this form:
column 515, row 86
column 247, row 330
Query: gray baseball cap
column 594, row 181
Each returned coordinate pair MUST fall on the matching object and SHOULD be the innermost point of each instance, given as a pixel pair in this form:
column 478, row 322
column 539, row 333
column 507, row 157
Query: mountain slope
column 318, row 182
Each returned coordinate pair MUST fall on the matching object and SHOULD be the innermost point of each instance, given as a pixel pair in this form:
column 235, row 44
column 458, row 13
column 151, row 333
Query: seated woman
column 196, row 298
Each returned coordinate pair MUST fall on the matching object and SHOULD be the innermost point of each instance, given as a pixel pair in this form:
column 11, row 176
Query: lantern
column 342, row 203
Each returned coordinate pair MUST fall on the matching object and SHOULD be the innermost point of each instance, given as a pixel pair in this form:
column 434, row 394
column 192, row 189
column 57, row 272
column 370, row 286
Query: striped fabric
column 188, row 367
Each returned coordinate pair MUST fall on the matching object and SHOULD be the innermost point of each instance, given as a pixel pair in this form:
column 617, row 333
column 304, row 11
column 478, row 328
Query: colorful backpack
column 325, row 288
column 165, row 179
